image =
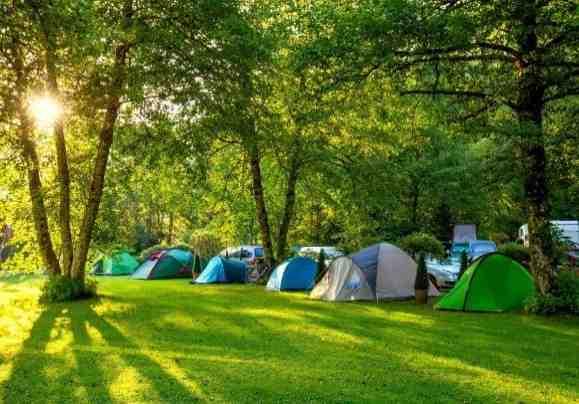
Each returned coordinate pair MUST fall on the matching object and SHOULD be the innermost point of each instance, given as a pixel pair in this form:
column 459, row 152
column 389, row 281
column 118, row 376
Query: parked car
column 457, row 249
column 445, row 272
column 313, row 252
column 252, row 255
column 478, row 248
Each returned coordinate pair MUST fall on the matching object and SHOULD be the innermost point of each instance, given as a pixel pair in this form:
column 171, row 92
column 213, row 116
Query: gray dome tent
column 381, row 271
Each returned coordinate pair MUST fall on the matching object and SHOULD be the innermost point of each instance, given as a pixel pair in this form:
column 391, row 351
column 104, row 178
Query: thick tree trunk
column 530, row 115
column 290, row 199
column 63, row 171
column 48, row 39
column 260, row 206
column 32, row 162
column 101, row 161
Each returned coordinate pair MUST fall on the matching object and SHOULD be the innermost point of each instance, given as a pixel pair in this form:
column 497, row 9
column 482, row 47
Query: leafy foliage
column 516, row 251
column 420, row 244
column 58, row 289
column 463, row 264
column 563, row 299
column 421, row 281
column 321, row 265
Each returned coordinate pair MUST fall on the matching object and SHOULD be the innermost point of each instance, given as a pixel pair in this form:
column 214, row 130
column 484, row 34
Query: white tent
column 382, row 271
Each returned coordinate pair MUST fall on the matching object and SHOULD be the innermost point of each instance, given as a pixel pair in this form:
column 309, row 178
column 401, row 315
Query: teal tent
column 166, row 264
column 118, row 264
column 222, row 270
column 298, row 273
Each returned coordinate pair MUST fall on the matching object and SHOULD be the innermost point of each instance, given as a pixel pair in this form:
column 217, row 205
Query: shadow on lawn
column 472, row 344
column 37, row 374
column 28, row 378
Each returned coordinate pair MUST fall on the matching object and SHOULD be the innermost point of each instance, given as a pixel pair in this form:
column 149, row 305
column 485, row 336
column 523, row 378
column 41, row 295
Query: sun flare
column 45, row 111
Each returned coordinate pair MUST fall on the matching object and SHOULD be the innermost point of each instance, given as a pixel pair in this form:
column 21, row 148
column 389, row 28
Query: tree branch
column 460, row 94
column 570, row 92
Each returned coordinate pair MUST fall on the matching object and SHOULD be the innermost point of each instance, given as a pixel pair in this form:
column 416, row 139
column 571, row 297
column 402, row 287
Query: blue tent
column 222, row 270
column 297, row 273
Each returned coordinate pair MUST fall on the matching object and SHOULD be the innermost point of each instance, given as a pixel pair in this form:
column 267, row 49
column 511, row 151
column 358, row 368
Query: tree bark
column 101, row 161
column 260, row 205
column 32, row 162
column 60, row 144
column 529, row 111
column 414, row 199
column 290, row 198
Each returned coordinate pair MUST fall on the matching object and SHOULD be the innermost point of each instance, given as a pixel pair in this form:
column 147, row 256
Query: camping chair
column 259, row 274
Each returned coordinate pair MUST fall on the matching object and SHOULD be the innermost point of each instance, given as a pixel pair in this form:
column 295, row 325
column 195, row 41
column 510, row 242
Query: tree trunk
column 530, row 116
column 100, row 167
column 171, row 227
column 414, row 199
column 260, row 206
column 63, row 170
column 290, row 198
column 32, row 162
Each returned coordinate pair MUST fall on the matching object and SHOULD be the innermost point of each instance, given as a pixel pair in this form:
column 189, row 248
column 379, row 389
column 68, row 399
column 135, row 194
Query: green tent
column 121, row 263
column 493, row 283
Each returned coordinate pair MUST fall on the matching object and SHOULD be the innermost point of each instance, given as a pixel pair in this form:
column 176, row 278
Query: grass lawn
column 168, row 341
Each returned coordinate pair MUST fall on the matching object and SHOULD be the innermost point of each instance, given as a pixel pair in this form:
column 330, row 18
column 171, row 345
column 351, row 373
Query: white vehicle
column 445, row 272
column 250, row 254
column 569, row 230
column 314, row 252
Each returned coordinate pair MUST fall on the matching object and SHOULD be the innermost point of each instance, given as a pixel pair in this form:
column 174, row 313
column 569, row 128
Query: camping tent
column 493, row 283
column 298, row 273
column 382, row 271
column 222, row 270
column 119, row 264
column 166, row 264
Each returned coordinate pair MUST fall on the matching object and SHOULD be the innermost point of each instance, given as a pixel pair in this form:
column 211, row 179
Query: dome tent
column 381, row 271
column 222, row 270
column 166, row 264
column 493, row 283
column 298, row 273
column 118, row 264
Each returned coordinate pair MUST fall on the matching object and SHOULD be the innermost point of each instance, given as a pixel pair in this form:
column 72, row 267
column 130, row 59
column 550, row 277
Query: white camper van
column 569, row 230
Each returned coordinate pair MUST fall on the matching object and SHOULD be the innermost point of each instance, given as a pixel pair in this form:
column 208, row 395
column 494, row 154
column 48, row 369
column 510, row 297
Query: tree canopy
column 218, row 123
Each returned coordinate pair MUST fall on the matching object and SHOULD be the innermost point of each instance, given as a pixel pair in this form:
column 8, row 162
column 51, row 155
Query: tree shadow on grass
column 31, row 379
column 97, row 379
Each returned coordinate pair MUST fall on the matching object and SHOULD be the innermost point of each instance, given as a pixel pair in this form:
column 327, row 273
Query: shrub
column 463, row 264
column 563, row 299
column 321, row 265
column 422, row 243
column 63, row 289
column 205, row 243
column 421, row 281
column 518, row 252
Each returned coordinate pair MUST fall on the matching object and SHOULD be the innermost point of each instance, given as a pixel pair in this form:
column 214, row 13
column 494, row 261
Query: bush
column 422, row 243
column 321, row 265
column 463, row 264
column 205, row 243
column 518, row 252
column 421, row 281
column 62, row 289
column 563, row 299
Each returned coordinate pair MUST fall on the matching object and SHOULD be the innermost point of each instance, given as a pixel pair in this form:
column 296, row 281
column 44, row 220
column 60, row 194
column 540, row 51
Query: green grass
column 168, row 341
